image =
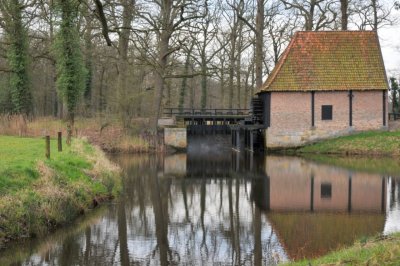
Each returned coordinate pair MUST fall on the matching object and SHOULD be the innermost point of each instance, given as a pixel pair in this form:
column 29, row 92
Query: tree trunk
column 163, row 53
column 122, row 102
column 375, row 11
column 239, row 64
column 88, row 59
column 183, row 90
column 159, row 82
column 232, row 65
column 344, row 10
column 238, row 82
column 70, row 127
column 203, row 84
column 310, row 18
column 259, row 43
column 222, row 84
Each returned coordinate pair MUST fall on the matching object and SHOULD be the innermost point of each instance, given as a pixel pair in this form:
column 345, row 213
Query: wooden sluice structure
column 249, row 133
column 245, row 126
column 206, row 121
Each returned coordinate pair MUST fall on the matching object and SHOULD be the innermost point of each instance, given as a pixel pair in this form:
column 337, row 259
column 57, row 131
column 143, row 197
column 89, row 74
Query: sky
column 390, row 42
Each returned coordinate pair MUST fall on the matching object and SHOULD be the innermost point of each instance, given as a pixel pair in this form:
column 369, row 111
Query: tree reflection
column 244, row 212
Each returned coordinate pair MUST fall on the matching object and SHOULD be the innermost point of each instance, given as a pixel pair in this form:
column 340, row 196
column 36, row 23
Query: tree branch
column 103, row 21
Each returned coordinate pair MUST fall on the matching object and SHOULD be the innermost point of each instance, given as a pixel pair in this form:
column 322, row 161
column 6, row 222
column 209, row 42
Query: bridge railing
column 204, row 112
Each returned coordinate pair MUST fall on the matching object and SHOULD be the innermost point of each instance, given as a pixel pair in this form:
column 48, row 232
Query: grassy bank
column 375, row 251
column 366, row 143
column 106, row 133
column 37, row 195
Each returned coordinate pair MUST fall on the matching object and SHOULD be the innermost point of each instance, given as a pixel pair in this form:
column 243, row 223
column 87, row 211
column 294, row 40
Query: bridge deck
column 207, row 121
column 208, row 114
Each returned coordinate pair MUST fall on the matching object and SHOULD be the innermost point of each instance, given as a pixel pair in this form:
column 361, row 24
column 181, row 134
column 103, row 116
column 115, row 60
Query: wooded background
column 142, row 55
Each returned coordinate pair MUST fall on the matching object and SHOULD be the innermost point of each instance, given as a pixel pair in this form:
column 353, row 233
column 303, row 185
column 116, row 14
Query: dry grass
column 104, row 132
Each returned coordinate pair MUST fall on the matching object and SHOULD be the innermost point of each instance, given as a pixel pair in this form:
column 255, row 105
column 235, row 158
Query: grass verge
column 365, row 143
column 37, row 195
column 382, row 250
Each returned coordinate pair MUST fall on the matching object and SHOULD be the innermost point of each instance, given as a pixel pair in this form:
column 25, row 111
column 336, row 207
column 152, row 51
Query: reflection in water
column 195, row 209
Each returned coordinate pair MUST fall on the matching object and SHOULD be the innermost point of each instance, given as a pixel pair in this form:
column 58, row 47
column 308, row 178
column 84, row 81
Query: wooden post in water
column 59, row 141
column 251, row 145
column 47, row 147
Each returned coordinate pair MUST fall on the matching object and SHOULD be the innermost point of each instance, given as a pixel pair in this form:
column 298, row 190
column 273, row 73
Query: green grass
column 38, row 194
column 373, row 251
column 371, row 142
column 383, row 165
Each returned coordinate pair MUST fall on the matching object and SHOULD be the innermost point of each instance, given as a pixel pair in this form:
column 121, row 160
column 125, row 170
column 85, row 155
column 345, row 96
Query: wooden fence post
column 59, row 141
column 48, row 147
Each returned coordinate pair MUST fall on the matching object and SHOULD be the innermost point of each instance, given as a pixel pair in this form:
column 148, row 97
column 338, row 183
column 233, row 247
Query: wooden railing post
column 59, row 141
column 47, row 147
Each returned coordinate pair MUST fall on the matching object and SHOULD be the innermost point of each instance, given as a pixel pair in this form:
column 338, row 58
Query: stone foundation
column 175, row 138
column 283, row 140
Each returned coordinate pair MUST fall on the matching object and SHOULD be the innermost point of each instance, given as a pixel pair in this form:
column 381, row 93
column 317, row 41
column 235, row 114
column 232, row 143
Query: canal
column 214, row 206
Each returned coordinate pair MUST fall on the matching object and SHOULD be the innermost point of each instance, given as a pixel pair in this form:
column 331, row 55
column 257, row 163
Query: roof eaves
column 381, row 58
column 280, row 64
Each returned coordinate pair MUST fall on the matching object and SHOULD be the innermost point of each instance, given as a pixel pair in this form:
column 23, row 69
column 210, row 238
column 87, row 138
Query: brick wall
column 340, row 110
column 367, row 110
column 291, row 116
column 290, row 111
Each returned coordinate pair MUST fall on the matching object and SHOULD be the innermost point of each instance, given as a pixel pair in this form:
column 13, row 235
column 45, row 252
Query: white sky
column 390, row 42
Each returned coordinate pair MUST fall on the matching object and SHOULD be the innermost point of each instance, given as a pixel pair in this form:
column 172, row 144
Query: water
column 215, row 206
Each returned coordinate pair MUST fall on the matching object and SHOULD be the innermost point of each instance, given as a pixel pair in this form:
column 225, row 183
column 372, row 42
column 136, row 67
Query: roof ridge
column 280, row 63
column 336, row 31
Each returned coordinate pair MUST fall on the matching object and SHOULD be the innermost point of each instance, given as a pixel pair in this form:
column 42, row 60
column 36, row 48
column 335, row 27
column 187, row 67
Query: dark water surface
column 213, row 206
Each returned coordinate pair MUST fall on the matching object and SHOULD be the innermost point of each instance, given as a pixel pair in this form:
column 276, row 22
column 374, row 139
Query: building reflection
column 312, row 207
column 299, row 185
column 238, row 209
column 315, row 208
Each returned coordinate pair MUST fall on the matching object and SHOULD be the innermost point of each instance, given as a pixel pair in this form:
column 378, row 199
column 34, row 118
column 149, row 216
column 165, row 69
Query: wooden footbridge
column 207, row 121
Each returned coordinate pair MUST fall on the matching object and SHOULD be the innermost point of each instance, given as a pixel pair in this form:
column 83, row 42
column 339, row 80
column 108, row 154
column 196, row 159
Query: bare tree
column 169, row 20
column 258, row 30
column 372, row 14
column 317, row 14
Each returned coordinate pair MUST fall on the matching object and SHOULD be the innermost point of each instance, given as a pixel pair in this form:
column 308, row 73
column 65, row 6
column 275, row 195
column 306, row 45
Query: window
column 326, row 112
column 326, row 190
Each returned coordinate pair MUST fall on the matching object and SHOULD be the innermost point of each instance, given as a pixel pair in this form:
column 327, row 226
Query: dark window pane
column 326, row 112
column 326, row 190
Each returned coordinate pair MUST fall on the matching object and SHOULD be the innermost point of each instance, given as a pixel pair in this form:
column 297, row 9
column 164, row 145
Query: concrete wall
column 175, row 138
column 291, row 122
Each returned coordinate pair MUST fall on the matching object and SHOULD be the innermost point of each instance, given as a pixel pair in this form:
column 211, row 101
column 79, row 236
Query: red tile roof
column 329, row 60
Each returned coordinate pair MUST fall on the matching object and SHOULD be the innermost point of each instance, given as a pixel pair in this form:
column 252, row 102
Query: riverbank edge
column 368, row 143
column 378, row 250
column 56, row 199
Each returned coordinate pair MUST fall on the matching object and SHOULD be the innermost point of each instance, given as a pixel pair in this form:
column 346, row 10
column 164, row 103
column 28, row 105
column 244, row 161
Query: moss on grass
column 37, row 194
column 374, row 251
column 365, row 143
